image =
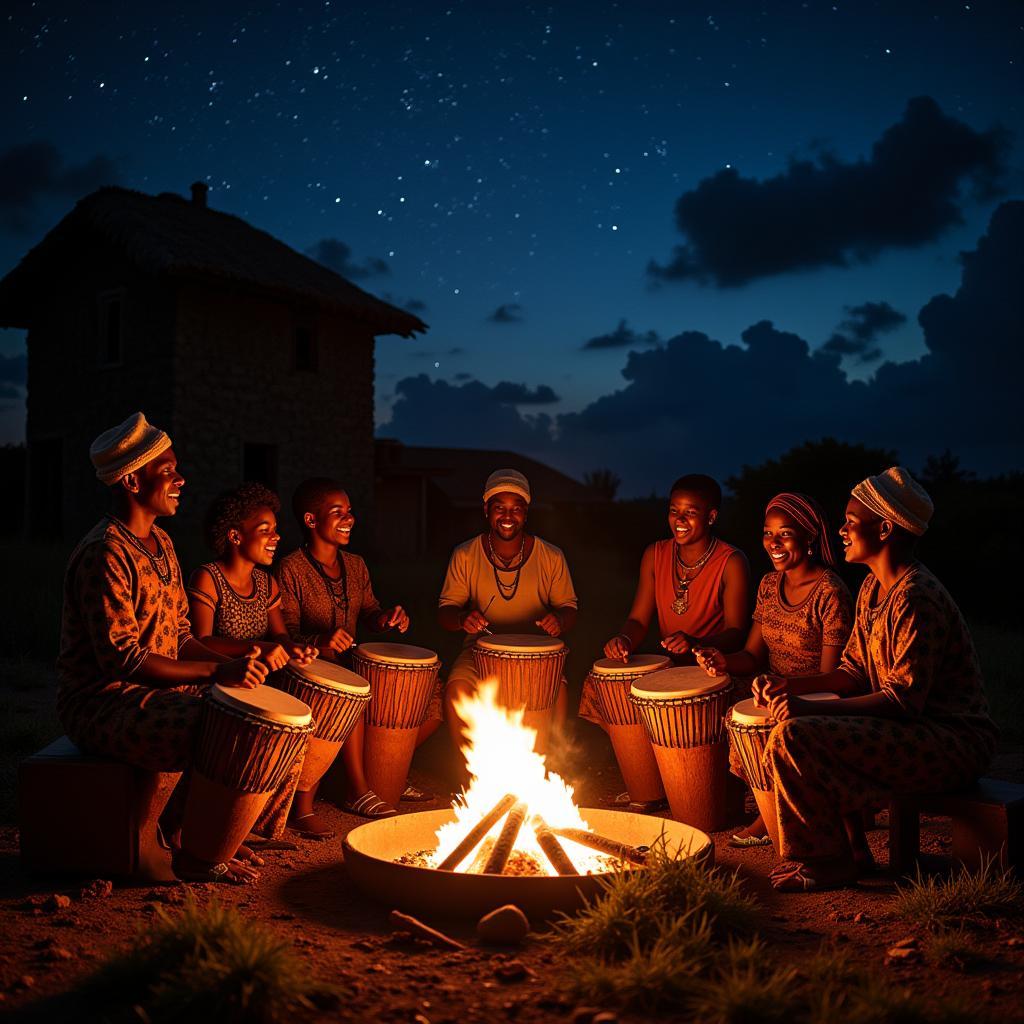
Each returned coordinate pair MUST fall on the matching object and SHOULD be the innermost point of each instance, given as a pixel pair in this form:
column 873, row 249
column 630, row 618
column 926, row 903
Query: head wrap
column 896, row 495
column 507, row 480
column 808, row 515
column 127, row 447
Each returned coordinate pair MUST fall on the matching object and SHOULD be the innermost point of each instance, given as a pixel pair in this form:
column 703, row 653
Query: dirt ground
column 306, row 897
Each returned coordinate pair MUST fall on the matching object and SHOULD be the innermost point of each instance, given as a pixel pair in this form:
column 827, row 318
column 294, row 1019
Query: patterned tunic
column 234, row 616
column 913, row 646
column 795, row 633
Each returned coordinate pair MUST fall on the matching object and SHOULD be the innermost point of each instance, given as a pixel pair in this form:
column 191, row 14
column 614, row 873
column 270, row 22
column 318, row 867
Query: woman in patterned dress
column 915, row 719
column 803, row 615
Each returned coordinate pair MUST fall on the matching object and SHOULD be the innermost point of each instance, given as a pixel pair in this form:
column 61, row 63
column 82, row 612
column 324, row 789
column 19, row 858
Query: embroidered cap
column 126, row 448
column 896, row 495
column 507, row 480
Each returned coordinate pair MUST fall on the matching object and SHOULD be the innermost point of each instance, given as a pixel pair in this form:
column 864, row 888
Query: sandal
column 369, row 805
column 191, row 869
column 310, row 826
column 413, row 795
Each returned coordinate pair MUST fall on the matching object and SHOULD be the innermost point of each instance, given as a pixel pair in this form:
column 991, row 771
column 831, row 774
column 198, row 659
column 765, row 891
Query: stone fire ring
column 370, row 850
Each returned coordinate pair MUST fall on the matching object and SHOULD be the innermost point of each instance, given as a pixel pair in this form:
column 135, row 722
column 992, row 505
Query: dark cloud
column 507, row 313
column 831, row 213
column 335, row 254
column 13, row 369
column 695, row 404
column 522, row 394
column 622, row 337
column 33, row 172
column 856, row 335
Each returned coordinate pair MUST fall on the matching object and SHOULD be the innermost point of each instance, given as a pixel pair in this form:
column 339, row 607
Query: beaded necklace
column 337, row 589
column 685, row 574
column 506, row 590
column 158, row 559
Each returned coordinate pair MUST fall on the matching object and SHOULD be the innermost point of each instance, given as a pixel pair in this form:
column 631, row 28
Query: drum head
column 262, row 702
column 681, row 681
column 326, row 673
column 746, row 712
column 520, row 643
column 396, row 654
column 635, row 665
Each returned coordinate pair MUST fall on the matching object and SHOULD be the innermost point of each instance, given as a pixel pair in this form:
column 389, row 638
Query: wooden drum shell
column 525, row 680
column 336, row 712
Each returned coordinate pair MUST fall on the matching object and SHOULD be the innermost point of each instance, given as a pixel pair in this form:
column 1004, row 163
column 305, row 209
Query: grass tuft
column 954, row 949
column 206, row 963
column 939, row 903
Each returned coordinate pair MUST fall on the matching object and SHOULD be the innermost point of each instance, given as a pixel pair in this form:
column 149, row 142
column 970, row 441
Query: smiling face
column 785, row 541
column 257, row 538
column 156, row 487
column 506, row 514
column 861, row 532
column 690, row 517
column 333, row 521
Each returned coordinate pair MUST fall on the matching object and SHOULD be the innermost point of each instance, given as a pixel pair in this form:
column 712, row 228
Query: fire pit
column 514, row 836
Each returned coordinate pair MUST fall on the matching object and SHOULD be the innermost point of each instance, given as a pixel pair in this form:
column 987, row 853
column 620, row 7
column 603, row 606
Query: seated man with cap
column 504, row 580
column 913, row 717
column 130, row 674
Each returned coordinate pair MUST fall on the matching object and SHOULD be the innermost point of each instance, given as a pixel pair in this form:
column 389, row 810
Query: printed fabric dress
column 912, row 645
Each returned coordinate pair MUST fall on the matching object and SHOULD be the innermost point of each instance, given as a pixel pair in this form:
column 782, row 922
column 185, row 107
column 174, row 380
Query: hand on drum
column 248, row 672
column 303, row 655
column 551, row 624
column 711, row 659
column 274, row 656
column 786, row 705
column 394, row 618
column 619, row 648
column 766, row 686
column 474, row 622
column 339, row 641
column 676, row 643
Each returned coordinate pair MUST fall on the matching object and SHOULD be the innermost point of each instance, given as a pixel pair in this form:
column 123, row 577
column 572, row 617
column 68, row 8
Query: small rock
column 506, row 926
column 97, row 889
column 364, row 945
column 57, row 902
column 1014, row 941
column 606, row 1017
column 585, row 1014
column 836, row 916
column 902, row 953
column 56, row 953
column 511, row 972
column 861, row 918
column 25, row 981
column 910, row 942
column 419, row 1018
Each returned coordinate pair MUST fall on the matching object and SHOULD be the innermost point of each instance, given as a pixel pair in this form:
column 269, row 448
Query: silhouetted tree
column 940, row 471
column 603, row 482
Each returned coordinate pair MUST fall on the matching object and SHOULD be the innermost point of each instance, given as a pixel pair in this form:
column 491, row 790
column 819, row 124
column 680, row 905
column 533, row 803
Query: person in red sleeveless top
column 698, row 585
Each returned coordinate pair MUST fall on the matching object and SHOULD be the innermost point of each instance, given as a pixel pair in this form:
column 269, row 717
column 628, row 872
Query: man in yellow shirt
column 506, row 581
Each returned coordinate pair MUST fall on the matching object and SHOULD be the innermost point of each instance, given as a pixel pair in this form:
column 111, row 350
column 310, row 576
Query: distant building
column 257, row 360
column 429, row 499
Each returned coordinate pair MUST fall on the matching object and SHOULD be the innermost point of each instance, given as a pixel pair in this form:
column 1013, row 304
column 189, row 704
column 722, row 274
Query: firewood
column 553, row 850
column 611, row 847
column 423, row 931
column 476, row 833
column 506, row 840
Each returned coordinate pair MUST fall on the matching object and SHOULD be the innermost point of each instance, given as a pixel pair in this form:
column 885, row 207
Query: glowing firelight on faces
column 501, row 760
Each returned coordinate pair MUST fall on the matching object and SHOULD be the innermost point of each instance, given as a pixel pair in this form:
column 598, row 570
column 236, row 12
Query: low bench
column 988, row 823
column 93, row 816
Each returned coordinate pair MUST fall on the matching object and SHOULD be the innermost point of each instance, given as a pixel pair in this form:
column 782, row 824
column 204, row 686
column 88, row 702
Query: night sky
column 646, row 236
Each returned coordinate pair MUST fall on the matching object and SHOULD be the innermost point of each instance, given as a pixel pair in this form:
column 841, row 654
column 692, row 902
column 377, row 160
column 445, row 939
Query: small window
column 305, row 349
column 111, row 328
column 259, row 464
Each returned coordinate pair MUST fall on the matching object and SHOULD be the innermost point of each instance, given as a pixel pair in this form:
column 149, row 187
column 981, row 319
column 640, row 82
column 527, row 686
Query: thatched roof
column 169, row 235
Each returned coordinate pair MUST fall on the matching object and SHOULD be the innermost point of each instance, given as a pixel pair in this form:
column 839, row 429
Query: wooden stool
column 988, row 822
column 92, row 816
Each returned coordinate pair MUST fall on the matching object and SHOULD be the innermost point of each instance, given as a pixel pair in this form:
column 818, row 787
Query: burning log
column 603, row 844
column 423, row 931
column 476, row 833
column 548, row 842
column 506, row 840
column 476, row 865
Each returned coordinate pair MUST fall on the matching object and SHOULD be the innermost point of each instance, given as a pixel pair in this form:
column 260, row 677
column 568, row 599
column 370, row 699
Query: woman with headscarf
column 803, row 615
column 913, row 718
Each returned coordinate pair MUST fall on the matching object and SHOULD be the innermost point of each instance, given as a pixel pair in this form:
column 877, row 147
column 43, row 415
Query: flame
column 501, row 760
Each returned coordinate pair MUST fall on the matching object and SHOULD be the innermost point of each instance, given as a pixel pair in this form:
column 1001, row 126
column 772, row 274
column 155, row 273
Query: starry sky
column 623, row 222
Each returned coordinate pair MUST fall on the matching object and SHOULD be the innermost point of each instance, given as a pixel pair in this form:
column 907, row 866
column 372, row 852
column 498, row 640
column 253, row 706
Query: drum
column 609, row 682
column 248, row 740
column 749, row 727
column 402, row 680
column 337, row 698
column 529, row 669
column 683, row 710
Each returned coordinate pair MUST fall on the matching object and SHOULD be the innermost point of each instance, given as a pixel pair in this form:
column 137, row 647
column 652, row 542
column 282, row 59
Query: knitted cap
column 507, row 480
column 896, row 495
column 126, row 448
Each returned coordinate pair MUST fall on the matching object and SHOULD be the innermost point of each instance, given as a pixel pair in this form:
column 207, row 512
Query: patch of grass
column 954, row 949
column 206, row 963
column 938, row 903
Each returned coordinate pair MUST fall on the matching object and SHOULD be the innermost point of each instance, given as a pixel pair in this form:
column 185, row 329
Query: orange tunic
column 705, row 615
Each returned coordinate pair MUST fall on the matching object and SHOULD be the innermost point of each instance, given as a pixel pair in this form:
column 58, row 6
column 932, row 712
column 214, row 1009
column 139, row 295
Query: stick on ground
column 423, row 931
column 476, row 833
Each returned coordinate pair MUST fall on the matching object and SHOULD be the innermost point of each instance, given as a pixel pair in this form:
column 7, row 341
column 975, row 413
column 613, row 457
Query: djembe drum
column 336, row 697
column 749, row 726
column 682, row 709
column 402, row 679
column 610, row 681
column 529, row 669
column 248, row 741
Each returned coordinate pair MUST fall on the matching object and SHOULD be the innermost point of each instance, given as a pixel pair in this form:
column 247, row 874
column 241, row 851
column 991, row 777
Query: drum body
column 529, row 670
column 248, row 741
column 610, row 680
column 337, row 698
column 683, row 711
column 402, row 680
